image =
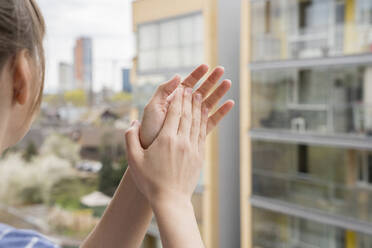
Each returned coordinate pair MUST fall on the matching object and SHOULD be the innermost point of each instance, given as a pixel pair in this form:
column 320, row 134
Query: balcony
column 344, row 119
column 280, row 230
column 306, row 191
column 290, row 30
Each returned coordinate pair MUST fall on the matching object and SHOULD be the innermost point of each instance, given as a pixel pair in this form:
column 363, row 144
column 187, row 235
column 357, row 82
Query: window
column 340, row 12
column 365, row 169
column 303, row 159
column 171, row 44
column 364, row 12
column 268, row 16
column 304, row 13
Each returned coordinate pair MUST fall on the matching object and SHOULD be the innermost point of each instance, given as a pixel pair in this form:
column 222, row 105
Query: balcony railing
column 344, row 119
column 305, row 190
column 313, row 42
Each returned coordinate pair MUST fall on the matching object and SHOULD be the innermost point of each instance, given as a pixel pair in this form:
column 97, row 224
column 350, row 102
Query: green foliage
column 30, row 152
column 32, row 195
column 33, row 181
column 76, row 97
column 54, row 100
column 109, row 176
column 62, row 147
column 121, row 97
column 68, row 192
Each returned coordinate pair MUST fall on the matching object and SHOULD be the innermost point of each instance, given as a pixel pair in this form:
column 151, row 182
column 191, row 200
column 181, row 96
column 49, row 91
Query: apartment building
column 306, row 120
column 175, row 36
column 83, row 71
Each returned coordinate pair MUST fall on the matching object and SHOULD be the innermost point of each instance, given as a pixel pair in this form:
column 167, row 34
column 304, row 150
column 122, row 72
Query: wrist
column 171, row 201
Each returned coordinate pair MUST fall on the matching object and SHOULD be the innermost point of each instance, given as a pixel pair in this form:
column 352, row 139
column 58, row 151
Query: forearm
column 126, row 219
column 177, row 224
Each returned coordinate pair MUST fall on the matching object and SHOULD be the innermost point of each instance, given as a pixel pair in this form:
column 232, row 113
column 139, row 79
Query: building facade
column 307, row 83
column 126, row 84
column 65, row 77
column 174, row 37
column 83, row 64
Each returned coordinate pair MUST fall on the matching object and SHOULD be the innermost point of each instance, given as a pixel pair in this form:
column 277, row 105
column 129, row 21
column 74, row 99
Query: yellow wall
column 350, row 28
column 210, row 201
column 151, row 10
column 245, row 122
column 350, row 239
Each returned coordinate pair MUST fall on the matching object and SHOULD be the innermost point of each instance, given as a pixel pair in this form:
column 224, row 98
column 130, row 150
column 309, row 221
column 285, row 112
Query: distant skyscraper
column 83, row 64
column 65, row 77
column 127, row 87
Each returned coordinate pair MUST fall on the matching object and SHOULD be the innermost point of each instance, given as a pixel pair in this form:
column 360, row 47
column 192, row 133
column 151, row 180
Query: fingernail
column 198, row 96
column 132, row 123
column 180, row 90
column 188, row 91
column 205, row 110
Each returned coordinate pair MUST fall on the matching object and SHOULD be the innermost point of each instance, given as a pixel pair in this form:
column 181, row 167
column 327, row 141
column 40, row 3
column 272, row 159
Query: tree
column 106, row 176
column 62, row 147
column 30, row 152
column 76, row 97
column 111, row 174
column 121, row 97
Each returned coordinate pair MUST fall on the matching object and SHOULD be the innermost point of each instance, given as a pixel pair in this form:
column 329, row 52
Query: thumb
column 133, row 145
column 166, row 89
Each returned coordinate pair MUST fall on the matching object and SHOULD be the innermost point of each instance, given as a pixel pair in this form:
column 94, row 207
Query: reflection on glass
column 323, row 101
column 281, row 231
column 329, row 179
column 297, row 29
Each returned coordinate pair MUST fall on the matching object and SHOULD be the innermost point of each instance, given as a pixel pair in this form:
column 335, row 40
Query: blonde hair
column 22, row 27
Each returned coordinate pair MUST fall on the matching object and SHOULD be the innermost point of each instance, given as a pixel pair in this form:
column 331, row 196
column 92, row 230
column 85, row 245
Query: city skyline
column 68, row 20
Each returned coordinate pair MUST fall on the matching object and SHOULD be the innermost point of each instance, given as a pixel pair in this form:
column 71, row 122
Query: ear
column 22, row 78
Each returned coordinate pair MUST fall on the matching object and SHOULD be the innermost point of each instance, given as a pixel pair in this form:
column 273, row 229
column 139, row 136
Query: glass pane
column 169, row 58
column 187, row 31
column 169, row 36
column 147, row 60
column 198, row 54
column 325, row 101
column 148, row 37
column 299, row 29
column 271, row 229
column 369, row 171
column 187, row 58
column 198, row 29
column 329, row 185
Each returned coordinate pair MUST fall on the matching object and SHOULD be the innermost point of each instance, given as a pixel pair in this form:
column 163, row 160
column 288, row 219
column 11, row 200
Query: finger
column 219, row 114
column 195, row 76
column 133, row 144
column 217, row 94
column 166, row 89
column 185, row 124
column 196, row 115
column 203, row 129
column 172, row 119
column 211, row 81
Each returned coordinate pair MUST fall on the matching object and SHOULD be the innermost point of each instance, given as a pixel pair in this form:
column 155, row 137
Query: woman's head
column 22, row 66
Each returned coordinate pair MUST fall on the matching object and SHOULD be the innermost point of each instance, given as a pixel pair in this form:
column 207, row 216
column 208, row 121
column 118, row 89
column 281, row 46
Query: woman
column 165, row 152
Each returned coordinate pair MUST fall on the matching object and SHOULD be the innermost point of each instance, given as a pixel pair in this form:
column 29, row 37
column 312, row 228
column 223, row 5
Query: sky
column 107, row 22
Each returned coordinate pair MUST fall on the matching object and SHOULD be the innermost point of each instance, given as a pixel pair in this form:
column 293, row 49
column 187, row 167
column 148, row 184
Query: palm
column 156, row 111
column 152, row 123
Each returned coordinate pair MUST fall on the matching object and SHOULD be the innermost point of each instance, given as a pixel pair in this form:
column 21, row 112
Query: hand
column 170, row 168
column 156, row 110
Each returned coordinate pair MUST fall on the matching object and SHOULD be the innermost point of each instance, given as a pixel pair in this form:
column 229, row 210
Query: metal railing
column 307, row 191
column 329, row 119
